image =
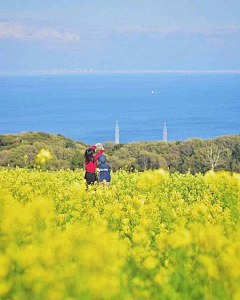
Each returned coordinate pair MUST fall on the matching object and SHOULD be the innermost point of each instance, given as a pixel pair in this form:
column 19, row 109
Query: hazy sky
column 119, row 35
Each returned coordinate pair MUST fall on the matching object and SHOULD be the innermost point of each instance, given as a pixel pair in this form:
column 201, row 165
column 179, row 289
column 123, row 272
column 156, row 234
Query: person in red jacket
column 91, row 158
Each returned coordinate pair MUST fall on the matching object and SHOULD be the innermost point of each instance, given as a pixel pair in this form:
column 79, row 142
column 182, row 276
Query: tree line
column 196, row 155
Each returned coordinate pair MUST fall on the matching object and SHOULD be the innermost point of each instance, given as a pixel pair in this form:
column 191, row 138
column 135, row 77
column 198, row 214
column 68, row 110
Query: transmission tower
column 165, row 132
column 117, row 133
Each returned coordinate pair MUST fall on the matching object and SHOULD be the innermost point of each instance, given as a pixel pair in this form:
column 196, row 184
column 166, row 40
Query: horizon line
column 92, row 71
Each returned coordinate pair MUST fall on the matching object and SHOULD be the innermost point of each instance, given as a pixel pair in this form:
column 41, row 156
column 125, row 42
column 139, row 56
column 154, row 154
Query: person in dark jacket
column 104, row 176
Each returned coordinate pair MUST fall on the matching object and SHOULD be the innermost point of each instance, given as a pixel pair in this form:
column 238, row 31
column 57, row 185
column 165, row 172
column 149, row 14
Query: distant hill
column 67, row 153
column 195, row 154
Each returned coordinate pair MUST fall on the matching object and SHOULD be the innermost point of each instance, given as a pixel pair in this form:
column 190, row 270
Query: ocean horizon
column 86, row 106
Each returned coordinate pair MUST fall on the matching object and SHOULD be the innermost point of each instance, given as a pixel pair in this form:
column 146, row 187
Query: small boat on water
column 155, row 92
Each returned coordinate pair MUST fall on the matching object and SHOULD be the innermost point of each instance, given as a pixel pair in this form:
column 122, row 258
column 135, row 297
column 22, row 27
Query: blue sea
column 86, row 107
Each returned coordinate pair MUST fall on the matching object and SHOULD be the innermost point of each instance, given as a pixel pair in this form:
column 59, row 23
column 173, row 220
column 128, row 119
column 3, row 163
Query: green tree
column 77, row 160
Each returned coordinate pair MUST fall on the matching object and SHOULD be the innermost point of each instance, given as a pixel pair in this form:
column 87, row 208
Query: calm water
column 86, row 107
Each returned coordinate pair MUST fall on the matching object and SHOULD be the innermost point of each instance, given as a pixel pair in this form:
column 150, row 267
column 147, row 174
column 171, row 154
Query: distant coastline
column 112, row 72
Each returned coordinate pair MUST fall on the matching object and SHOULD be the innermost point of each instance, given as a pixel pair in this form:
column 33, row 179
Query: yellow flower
column 55, row 235
column 179, row 238
column 4, row 287
column 4, row 266
column 43, row 156
column 150, row 263
column 210, row 266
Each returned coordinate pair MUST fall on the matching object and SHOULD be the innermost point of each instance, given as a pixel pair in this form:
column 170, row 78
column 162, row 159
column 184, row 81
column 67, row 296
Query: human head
column 102, row 158
column 89, row 154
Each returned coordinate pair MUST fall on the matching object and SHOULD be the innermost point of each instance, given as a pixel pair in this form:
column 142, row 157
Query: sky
column 69, row 35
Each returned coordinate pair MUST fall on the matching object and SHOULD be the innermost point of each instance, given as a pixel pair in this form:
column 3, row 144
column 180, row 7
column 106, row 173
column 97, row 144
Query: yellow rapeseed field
column 150, row 235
